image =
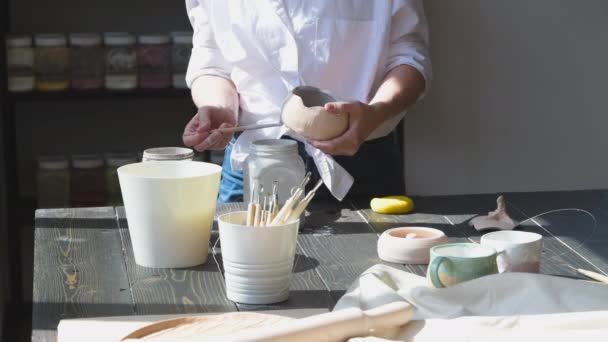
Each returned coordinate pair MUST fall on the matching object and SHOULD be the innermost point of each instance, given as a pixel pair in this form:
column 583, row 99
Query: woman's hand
column 363, row 119
column 199, row 133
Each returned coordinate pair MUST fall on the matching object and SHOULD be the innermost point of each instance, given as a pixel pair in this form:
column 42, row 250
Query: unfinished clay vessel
column 304, row 112
column 409, row 245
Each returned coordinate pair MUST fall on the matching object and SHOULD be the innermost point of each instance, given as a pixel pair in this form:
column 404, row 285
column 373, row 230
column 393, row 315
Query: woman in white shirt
column 248, row 55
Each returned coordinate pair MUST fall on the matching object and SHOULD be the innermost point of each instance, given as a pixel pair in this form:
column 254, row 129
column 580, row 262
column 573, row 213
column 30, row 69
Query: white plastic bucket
column 257, row 261
column 170, row 207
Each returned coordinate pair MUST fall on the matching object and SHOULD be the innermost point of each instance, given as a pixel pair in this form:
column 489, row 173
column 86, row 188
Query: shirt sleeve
column 409, row 38
column 206, row 59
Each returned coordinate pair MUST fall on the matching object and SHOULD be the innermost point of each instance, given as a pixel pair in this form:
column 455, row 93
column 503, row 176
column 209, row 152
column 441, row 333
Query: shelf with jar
column 97, row 65
column 87, row 180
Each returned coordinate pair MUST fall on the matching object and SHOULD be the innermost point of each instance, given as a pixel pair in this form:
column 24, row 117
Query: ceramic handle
column 434, row 271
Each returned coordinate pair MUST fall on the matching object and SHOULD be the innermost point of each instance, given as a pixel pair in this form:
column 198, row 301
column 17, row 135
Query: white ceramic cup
column 517, row 251
column 170, row 207
column 257, row 261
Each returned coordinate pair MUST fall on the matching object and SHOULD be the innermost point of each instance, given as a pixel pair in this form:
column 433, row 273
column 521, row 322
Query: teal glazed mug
column 459, row 262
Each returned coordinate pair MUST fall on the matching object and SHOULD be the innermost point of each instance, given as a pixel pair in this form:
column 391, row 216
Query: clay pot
column 304, row 112
column 409, row 245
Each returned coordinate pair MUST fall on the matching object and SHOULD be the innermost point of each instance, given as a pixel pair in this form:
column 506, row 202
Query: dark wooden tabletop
column 84, row 267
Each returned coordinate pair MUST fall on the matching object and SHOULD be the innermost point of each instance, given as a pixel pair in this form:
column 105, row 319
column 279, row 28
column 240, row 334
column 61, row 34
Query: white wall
column 519, row 101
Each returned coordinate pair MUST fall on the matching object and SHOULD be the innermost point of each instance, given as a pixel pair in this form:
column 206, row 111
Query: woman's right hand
column 199, row 132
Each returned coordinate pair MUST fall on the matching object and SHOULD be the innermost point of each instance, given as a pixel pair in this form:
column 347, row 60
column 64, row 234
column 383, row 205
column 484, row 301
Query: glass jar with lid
column 88, row 61
column 121, row 61
column 180, row 56
column 113, row 162
column 273, row 160
column 53, row 182
column 52, row 62
column 20, row 63
column 167, row 154
column 154, row 61
column 87, row 181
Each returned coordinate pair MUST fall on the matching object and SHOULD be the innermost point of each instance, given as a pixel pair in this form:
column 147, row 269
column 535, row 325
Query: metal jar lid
column 120, row 159
column 153, row 39
column 182, row 37
column 87, row 161
column 118, row 38
column 53, row 163
column 85, row 39
column 168, row 153
column 50, row 40
column 274, row 145
column 18, row 41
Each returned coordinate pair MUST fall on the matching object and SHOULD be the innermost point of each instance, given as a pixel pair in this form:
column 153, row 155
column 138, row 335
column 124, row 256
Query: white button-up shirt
column 268, row 47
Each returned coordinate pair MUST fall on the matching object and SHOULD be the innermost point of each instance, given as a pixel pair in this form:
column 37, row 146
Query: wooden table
column 84, row 267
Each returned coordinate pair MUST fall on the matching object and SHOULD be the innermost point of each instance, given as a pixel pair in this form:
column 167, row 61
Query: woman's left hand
column 363, row 119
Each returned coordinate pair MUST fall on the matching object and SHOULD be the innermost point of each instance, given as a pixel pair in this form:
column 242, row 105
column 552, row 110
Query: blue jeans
column 377, row 168
column 231, row 185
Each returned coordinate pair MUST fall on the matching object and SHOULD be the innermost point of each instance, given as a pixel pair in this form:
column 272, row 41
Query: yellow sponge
column 392, row 205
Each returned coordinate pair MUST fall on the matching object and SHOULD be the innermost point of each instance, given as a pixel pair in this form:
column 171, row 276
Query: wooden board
column 173, row 291
column 78, row 267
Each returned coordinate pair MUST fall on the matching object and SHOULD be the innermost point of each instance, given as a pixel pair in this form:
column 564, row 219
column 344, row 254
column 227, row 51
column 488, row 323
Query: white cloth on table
column 501, row 307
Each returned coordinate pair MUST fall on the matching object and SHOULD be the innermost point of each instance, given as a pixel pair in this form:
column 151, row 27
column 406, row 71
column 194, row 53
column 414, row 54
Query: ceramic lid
column 153, row 39
column 18, row 41
column 85, row 39
column 118, row 38
column 50, row 40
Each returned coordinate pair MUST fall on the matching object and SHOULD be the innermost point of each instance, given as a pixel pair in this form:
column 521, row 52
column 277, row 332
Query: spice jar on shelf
column 88, row 61
column 154, row 61
column 121, row 61
column 53, row 182
column 87, row 181
column 180, row 56
column 20, row 63
column 52, row 62
column 113, row 162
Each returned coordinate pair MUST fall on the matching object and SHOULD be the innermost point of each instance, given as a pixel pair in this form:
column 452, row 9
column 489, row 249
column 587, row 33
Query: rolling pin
column 336, row 326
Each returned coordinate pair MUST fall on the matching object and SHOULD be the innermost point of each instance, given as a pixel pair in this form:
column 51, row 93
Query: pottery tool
column 258, row 210
column 251, row 208
column 245, row 128
column 275, row 200
column 291, row 201
column 264, row 212
column 299, row 209
column 593, row 275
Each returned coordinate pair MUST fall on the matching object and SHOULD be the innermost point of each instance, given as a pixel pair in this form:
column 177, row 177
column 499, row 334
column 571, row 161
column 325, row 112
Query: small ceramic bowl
column 409, row 245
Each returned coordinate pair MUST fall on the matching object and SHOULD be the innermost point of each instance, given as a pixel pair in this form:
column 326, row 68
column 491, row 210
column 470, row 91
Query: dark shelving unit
column 20, row 208
column 101, row 94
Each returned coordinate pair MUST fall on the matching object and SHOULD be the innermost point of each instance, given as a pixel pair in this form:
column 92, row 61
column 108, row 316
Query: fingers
column 216, row 140
column 191, row 135
column 204, row 122
column 339, row 107
column 343, row 145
